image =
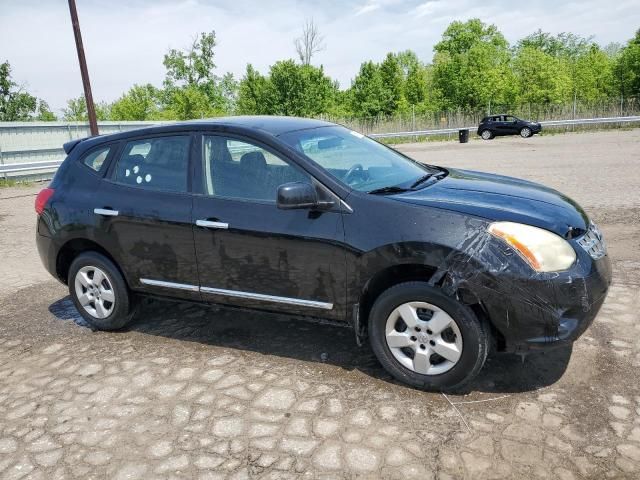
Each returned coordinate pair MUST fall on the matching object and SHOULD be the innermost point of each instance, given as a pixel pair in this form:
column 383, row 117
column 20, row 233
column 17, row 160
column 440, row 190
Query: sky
column 125, row 40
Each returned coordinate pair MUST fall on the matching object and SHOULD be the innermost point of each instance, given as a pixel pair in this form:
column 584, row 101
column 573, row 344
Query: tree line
column 474, row 68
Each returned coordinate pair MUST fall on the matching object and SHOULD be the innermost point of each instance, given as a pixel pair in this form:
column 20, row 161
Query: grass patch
column 11, row 182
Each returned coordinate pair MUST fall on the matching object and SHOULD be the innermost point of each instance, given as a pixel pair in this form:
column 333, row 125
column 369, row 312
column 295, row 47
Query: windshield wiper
column 424, row 178
column 385, row 190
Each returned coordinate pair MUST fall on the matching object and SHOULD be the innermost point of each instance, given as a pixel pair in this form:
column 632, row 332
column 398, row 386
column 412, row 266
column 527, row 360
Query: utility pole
column 91, row 111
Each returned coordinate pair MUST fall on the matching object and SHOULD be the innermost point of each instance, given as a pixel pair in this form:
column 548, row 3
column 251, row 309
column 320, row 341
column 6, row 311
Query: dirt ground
column 198, row 392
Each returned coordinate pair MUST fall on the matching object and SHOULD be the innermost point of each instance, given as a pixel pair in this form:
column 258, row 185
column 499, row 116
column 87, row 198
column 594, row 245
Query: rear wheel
column 525, row 132
column 486, row 135
column 425, row 338
column 99, row 291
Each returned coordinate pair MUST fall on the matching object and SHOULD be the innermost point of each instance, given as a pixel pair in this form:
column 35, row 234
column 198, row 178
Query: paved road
column 196, row 392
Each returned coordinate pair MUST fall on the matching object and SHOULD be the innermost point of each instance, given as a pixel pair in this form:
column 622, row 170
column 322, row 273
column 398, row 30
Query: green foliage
column 563, row 45
column 141, row 102
column 76, row 110
column 191, row 87
column 290, row 89
column 627, row 68
column 541, row 78
column 367, row 92
column 471, row 66
column 474, row 69
column 393, row 80
column 17, row 105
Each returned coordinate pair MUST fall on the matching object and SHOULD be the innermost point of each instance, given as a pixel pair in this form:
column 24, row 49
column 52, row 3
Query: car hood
column 496, row 197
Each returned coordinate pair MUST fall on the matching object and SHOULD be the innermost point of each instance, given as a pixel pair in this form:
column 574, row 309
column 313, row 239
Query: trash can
column 463, row 135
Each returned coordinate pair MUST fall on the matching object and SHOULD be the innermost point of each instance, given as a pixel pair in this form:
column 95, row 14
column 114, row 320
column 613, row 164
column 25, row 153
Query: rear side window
column 95, row 159
column 159, row 163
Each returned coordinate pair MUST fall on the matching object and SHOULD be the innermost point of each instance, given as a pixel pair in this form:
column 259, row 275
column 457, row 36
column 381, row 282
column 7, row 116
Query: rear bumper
column 48, row 254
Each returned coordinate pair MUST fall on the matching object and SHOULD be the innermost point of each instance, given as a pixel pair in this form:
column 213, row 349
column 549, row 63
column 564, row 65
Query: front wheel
column 99, row 291
column 486, row 135
column 525, row 132
column 425, row 338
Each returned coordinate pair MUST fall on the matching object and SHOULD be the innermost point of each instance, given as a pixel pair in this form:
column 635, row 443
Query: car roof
column 275, row 125
column 266, row 124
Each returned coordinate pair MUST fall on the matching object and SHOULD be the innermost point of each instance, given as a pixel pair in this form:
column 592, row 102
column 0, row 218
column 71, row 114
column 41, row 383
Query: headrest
column 253, row 161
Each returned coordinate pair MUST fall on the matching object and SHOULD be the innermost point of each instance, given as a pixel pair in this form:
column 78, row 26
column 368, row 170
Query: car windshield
column 357, row 160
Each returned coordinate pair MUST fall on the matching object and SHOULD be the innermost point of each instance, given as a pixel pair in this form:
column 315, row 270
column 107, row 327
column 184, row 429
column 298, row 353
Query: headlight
column 543, row 250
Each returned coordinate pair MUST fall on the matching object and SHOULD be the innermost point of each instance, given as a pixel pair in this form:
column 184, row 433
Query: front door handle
column 211, row 224
column 107, row 212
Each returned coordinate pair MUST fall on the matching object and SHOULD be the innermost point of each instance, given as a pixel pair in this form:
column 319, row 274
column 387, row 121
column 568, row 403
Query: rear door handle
column 107, row 212
column 211, row 224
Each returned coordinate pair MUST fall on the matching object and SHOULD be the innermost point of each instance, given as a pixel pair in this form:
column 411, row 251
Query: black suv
column 311, row 219
column 497, row 125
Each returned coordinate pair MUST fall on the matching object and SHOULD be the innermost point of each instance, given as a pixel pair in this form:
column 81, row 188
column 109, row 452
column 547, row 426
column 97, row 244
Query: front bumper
column 549, row 310
column 530, row 310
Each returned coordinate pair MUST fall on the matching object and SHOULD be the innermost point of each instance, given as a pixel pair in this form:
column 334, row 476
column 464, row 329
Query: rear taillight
column 42, row 199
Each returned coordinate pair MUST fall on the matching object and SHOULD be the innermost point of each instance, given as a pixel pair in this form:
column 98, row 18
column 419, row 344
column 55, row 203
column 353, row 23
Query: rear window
column 158, row 163
column 95, row 159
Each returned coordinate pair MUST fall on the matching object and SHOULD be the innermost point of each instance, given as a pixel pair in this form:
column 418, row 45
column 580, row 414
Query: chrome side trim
column 179, row 286
column 210, row 224
column 106, row 212
column 267, row 298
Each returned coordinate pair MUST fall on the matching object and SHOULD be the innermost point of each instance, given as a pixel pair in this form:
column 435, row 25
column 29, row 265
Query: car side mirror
column 297, row 195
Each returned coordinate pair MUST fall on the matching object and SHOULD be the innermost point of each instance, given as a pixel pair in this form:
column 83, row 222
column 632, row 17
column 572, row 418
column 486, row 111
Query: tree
column 471, row 66
column 309, row 43
column 18, row 105
column 252, row 99
column 298, row 90
column 627, row 68
column 76, row 110
column 194, row 69
column 392, row 78
column 593, row 75
column 541, row 78
column 367, row 92
column 567, row 45
column 141, row 102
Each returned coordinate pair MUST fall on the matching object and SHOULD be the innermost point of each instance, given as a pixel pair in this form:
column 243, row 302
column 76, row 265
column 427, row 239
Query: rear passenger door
column 143, row 211
column 252, row 254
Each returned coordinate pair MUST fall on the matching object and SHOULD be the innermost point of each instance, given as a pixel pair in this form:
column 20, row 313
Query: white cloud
column 125, row 40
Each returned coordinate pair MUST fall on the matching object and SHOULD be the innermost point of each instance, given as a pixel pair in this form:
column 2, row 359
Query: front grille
column 593, row 243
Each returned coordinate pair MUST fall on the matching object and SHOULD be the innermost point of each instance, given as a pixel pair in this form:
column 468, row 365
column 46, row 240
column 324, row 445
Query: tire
column 525, row 132
column 466, row 335
column 486, row 134
column 103, row 302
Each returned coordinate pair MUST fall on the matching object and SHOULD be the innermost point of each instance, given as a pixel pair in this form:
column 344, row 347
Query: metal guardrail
column 52, row 165
column 548, row 123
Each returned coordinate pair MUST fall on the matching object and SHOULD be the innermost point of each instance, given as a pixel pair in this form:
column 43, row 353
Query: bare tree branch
column 309, row 43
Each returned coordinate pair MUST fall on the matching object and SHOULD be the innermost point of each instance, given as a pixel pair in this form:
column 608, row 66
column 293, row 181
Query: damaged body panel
column 440, row 234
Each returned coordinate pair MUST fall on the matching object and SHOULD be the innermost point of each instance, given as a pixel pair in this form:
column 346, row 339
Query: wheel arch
column 74, row 247
column 412, row 272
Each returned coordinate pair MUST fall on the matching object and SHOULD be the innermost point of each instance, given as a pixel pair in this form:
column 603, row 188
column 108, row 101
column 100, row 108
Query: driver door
column 252, row 254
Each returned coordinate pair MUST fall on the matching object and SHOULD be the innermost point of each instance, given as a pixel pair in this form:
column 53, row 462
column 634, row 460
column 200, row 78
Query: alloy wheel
column 525, row 132
column 95, row 292
column 486, row 135
column 423, row 338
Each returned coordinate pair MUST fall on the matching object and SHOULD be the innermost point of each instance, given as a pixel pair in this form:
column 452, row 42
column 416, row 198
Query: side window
column 95, row 159
column 237, row 169
column 158, row 163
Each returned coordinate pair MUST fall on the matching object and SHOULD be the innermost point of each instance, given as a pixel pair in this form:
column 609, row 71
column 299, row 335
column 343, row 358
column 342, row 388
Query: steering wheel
column 357, row 168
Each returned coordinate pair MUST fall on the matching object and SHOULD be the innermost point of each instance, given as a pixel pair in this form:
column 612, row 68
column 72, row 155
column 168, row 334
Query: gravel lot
column 197, row 392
